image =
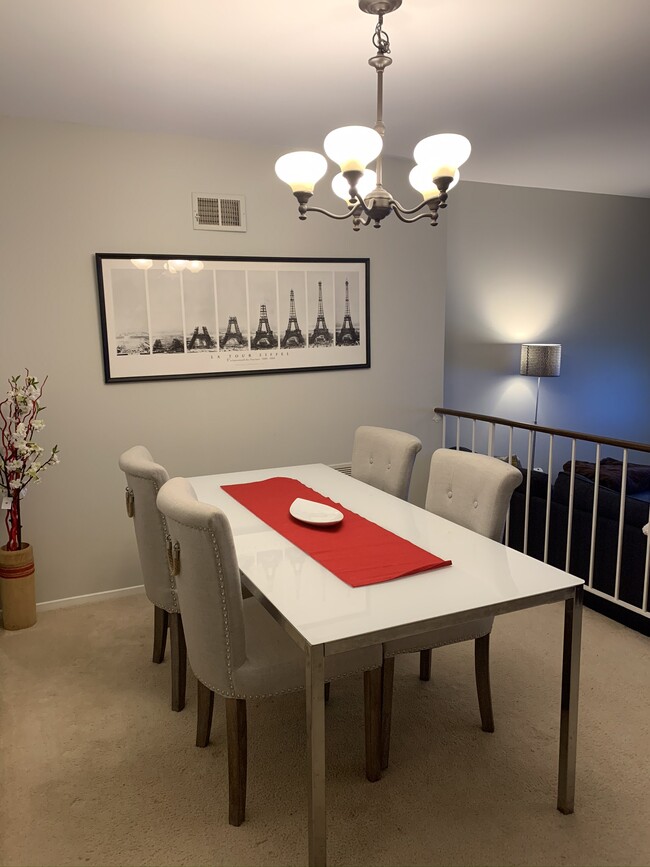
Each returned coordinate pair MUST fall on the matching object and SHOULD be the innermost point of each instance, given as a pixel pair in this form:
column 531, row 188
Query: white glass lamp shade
column 366, row 183
column 195, row 266
column 353, row 147
column 301, row 170
column 142, row 264
column 421, row 180
column 442, row 154
column 176, row 265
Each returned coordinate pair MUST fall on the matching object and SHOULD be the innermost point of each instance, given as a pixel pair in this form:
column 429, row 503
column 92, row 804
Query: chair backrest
column 208, row 585
column 145, row 478
column 471, row 490
column 384, row 458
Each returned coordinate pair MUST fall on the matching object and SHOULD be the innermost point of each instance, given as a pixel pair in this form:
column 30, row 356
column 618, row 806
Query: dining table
column 325, row 615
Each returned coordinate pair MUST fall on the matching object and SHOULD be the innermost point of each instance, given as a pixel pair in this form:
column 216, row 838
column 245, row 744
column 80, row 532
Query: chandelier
column 437, row 158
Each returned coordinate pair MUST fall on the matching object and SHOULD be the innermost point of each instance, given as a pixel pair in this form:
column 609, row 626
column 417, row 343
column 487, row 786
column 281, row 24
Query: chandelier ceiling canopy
column 437, row 158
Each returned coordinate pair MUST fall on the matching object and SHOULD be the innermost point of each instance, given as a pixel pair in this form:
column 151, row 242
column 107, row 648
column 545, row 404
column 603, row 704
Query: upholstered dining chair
column 236, row 649
column 144, row 478
column 474, row 491
column 384, row 458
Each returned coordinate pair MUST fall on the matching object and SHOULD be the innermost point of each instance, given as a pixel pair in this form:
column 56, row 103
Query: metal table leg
column 569, row 713
column 314, row 689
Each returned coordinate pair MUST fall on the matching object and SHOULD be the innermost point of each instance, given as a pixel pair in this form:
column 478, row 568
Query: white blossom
column 15, row 484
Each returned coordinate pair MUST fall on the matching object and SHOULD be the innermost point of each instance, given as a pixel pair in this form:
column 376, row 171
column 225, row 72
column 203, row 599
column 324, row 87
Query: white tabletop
column 323, row 609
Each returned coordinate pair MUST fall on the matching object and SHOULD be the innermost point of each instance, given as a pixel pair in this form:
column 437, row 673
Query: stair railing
column 489, row 433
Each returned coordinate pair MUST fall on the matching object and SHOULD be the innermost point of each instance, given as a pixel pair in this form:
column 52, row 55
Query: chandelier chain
column 380, row 38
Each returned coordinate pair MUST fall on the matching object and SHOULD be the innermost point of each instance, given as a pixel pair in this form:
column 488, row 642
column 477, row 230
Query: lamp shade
column 540, row 359
column 366, row 183
column 442, row 154
column 421, row 180
column 142, row 264
column 301, row 170
column 353, row 147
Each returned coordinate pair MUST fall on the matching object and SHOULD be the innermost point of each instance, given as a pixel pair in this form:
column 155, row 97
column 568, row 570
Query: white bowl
column 315, row 513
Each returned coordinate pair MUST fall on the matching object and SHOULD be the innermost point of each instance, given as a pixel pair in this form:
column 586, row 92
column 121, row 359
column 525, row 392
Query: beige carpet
column 96, row 769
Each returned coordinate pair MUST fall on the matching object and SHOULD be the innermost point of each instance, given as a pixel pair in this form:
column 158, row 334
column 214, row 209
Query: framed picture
column 166, row 317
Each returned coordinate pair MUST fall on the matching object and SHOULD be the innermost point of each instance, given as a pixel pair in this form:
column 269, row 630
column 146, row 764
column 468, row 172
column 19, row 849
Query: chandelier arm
column 395, row 205
column 327, row 213
column 360, row 203
column 429, row 216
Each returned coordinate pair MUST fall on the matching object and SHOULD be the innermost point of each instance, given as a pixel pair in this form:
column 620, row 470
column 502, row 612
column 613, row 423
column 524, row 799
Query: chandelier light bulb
column 366, row 183
column 176, row 265
column 353, row 147
column 195, row 266
column 142, row 264
column 442, row 154
column 301, row 170
column 421, row 179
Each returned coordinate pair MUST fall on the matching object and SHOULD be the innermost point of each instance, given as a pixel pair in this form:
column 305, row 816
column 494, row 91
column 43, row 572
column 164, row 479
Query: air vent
column 219, row 213
column 342, row 468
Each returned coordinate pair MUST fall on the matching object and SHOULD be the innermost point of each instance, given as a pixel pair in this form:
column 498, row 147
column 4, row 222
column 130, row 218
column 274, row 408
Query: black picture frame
column 186, row 316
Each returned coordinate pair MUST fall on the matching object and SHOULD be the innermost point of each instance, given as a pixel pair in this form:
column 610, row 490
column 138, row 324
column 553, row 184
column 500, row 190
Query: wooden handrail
column 492, row 419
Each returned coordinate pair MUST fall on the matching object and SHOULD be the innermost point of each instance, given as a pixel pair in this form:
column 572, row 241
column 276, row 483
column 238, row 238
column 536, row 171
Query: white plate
column 315, row 513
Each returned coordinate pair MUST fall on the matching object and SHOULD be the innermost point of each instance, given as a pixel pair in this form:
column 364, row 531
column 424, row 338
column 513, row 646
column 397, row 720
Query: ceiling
column 551, row 93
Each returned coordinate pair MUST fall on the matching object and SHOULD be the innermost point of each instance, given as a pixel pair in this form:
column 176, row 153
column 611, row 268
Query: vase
column 17, row 590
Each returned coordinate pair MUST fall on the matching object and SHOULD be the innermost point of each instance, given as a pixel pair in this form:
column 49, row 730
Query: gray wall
column 542, row 266
column 69, row 191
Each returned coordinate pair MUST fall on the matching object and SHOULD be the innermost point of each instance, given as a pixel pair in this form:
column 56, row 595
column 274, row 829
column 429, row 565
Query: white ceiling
column 551, row 93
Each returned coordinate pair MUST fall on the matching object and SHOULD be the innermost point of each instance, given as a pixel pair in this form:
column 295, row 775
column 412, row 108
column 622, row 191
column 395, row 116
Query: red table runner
column 356, row 550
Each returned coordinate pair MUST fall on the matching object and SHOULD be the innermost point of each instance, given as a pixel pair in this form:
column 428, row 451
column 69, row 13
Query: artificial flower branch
column 20, row 462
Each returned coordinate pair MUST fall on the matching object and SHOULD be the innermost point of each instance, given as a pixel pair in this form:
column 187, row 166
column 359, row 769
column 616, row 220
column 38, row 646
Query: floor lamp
column 540, row 359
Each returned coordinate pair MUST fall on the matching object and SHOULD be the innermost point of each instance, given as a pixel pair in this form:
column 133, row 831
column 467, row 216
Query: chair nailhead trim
column 247, row 695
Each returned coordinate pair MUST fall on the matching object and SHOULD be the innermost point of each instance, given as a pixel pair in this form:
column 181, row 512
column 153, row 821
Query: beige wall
column 69, row 191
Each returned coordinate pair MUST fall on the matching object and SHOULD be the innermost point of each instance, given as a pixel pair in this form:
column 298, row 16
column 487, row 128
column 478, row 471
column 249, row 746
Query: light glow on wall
column 521, row 310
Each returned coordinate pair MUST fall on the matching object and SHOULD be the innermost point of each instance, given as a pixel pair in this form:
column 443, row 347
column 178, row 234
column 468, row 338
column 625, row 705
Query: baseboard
column 87, row 598
column 623, row 615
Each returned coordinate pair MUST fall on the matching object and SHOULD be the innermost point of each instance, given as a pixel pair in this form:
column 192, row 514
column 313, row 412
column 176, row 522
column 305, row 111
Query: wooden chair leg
column 327, row 692
column 160, row 623
column 179, row 660
column 482, row 669
column 204, row 707
column 425, row 664
column 237, row 749
column 387, row 674
column 372, row 705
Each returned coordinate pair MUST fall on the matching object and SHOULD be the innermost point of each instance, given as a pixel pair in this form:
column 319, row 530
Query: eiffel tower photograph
column 234, row 316
column 263, row 298
column 293, row 336
column 321, row 336
column 233, row 310
column 347, row 333
column 200, row 313
column 232, row 338
column 264, row 337
column 165, row 314
column 200, row 339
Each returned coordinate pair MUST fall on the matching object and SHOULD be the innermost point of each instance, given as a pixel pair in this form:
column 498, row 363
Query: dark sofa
column 634, row 541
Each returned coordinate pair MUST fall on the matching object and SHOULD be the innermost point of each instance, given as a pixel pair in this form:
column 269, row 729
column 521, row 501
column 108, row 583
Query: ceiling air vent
column 219, row 213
